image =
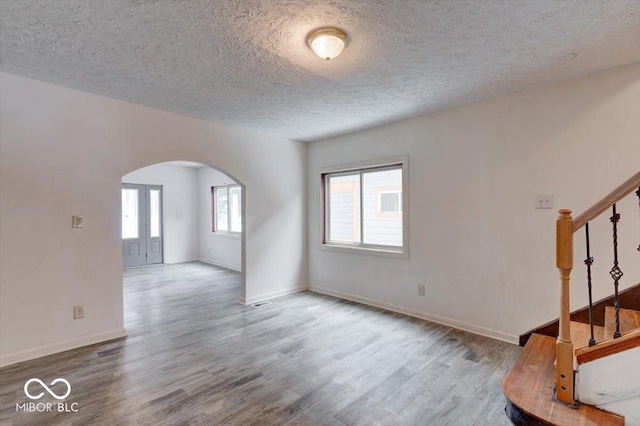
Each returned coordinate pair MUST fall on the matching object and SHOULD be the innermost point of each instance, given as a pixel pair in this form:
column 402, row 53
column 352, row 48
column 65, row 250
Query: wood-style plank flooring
column 193, row 355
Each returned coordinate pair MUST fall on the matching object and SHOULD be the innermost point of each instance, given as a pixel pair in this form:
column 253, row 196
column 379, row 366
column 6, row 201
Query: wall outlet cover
column 78, row 312
column 76, row 222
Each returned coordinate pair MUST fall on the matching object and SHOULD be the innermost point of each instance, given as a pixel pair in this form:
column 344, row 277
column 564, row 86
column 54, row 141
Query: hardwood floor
column 193, row 355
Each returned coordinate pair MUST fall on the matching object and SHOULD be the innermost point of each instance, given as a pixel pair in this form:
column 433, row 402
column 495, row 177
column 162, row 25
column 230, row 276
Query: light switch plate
column 544, row 202
column 76, row 222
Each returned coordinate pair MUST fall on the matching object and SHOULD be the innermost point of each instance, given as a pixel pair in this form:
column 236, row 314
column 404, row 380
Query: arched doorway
column 180, row 212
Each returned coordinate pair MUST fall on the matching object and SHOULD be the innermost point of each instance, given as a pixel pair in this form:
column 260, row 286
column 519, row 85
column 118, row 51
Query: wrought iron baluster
column 589, row 261
column 616, row 272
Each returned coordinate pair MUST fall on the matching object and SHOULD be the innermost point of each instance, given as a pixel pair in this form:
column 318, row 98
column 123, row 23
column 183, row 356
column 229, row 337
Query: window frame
column 214, row 210
column 361, row 247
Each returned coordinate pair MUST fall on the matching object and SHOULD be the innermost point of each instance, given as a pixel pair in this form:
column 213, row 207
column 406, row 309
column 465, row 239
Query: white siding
column 381, row 228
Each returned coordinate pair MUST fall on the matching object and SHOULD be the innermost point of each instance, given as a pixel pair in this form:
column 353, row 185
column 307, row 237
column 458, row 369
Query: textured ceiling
column 245, row 63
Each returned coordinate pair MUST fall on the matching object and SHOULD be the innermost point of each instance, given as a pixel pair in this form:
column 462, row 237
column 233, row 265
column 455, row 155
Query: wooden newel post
column 564, row 346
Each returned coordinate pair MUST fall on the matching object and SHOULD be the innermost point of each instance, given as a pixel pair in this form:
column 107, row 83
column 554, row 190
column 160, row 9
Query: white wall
column 486, row 257
column 64, row 152
column 215, row 247
column 179, row 207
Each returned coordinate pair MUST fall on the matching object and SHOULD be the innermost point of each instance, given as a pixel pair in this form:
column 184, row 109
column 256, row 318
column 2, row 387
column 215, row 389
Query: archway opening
column 183, row 238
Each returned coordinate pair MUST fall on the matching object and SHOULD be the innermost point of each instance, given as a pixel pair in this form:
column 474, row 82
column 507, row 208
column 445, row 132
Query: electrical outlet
column 78, row 312
column 544, row 202
column 420, row 290
column 76, row 222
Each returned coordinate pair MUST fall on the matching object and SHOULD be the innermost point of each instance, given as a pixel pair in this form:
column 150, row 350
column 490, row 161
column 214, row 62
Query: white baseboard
column 450, row 322
column 54, row 348
column 221, row 264
column 272, row 295
column 176, row 261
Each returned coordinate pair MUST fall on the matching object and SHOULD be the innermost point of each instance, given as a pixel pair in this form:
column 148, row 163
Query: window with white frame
column 227, row 209
column 363, row 208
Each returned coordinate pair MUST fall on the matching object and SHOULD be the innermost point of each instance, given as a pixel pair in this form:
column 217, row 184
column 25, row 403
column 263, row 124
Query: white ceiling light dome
column 327, row 43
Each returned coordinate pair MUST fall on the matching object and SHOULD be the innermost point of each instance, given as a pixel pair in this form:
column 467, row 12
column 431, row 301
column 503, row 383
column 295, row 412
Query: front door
column 141, row 224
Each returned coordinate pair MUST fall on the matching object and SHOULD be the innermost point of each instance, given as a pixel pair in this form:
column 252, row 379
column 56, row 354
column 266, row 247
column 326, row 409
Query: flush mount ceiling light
column 327, row 43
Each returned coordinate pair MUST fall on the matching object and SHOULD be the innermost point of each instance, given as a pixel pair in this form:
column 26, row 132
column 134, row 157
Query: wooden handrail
column 616, row 195
column 609, row 347
column 566, row 226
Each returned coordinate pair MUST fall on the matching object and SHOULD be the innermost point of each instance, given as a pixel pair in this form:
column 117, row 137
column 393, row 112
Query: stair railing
column 566, row 226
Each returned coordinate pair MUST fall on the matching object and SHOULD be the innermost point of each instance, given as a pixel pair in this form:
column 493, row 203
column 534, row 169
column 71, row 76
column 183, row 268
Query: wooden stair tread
column 629, row 299
column 628, row 340
column 529, row 388
column 581, row 333
column 629, row 321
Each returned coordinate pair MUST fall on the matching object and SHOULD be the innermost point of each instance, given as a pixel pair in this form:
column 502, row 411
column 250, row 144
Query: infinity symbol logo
column 52, row 393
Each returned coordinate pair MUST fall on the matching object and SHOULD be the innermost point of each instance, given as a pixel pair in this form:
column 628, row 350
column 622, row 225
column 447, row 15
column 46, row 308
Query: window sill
column 397, row 254
column 227, row 235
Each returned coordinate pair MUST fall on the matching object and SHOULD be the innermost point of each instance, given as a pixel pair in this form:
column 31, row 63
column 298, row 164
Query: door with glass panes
column 141, row 224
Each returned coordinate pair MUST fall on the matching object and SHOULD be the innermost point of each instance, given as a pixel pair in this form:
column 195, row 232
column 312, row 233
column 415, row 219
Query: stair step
column 529, row 388
column 581, row 333
column 629, row 320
